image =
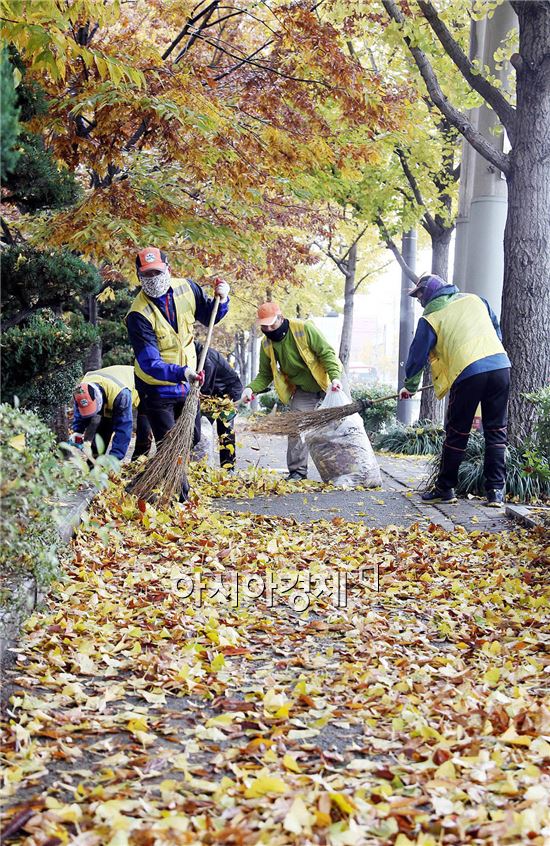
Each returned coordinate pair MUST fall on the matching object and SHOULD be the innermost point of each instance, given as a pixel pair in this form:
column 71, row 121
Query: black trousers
column 226, row 442
column 491, row 389
column 105, row 431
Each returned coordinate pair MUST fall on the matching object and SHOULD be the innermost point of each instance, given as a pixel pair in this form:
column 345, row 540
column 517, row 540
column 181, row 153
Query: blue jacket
column 144, row 342
column 122, row 422
column 425, row 340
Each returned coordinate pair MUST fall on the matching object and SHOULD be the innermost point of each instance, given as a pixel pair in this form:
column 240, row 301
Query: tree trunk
column 526, row 290
column 60, row 423
column 349, row 295
column 252, row 356
column 94, row 359
column 240, row 355
column 430, row 407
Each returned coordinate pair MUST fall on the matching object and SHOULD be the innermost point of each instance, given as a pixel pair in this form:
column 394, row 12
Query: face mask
column 156, row 286
column 277, row 334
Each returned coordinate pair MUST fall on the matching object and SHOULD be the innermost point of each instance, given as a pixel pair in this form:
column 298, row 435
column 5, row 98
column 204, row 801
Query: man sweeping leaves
column 461, row 337
column 160, row 328
column 301, row 364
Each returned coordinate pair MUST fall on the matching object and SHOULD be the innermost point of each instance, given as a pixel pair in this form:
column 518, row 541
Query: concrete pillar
column 406, row 322
column 479, row 253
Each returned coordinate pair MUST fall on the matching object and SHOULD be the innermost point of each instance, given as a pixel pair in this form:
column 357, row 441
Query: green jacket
column 292, row 364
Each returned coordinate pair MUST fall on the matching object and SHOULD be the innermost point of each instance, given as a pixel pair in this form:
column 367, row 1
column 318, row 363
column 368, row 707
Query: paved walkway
column 396, row 503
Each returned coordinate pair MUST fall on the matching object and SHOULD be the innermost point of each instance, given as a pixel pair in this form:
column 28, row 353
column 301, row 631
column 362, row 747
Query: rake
column 296, row 422
column 166, row 471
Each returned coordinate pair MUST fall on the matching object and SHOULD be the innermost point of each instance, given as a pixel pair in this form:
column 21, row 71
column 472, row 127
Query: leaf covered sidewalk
column 152, row 706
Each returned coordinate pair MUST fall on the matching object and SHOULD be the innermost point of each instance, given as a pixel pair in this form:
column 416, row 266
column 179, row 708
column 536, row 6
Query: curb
column 522, row 514
column 25, row 594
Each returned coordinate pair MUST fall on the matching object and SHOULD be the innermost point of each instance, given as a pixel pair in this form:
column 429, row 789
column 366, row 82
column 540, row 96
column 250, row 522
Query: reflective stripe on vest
column 465, row 334
column 113, row 380
column 174, row 347
column 281, row 382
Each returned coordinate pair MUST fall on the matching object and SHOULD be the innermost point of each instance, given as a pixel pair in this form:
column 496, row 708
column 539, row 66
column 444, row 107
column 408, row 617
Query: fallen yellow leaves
column 416, row 714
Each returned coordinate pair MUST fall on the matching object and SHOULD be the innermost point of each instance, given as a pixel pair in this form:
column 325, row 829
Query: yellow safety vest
column 113, row 380
column 174, row 347
column 281, row 382
column 465, row 334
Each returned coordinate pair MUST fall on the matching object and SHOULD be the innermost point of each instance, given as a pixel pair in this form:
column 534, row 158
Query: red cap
column 151, row 258
column 86, row 404
column 268, row 313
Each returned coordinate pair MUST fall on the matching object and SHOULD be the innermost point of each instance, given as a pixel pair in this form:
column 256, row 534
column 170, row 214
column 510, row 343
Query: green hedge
column 36, row 479
column 377, row 417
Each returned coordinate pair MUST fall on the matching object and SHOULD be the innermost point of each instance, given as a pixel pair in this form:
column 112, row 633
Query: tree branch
column 208, row 12
column 391, row 245
column 267, row 68
column 428, row 222
column 505, row 111
column 371, row 273
column 454, row 115
column 210, row 8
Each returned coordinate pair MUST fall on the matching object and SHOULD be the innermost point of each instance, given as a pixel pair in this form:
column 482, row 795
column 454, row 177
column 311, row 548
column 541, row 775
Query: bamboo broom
column 166, row 471
column 296, row 422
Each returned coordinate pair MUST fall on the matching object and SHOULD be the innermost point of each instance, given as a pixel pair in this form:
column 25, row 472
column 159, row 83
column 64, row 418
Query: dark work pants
column 105, row 432
column 144, row 436
column 491, row 389
column 226, row 442
column 162, row 415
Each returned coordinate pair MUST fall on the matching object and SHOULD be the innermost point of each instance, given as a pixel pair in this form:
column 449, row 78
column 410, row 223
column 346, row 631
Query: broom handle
column 396, row 396
column 202, row 358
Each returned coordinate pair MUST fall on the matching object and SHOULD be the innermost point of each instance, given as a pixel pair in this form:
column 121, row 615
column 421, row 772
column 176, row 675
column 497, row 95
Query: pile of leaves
column 155, row 706
column 424, row 438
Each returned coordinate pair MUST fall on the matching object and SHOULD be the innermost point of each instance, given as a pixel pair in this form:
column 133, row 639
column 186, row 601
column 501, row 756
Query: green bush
column 269, row 400
column 42, row 360
column 378, row 416
column 10, row 117
column 423, row 438
column 37, row 181
column 36, row 479
column 541, row 440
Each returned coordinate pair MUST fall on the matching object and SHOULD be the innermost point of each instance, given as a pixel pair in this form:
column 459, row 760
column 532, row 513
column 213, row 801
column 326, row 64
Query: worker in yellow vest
column 111, row 394
column 460, row 336
column 160, row 328
column 301, row 364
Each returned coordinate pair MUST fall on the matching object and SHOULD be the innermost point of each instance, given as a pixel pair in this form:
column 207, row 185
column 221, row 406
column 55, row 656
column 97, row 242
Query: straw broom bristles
column 166, row 471
column 295, row 422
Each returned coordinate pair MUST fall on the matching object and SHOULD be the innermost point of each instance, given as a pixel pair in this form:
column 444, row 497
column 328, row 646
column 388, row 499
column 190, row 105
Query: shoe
column 437, row 495
column 495, row 498
column 295, row 477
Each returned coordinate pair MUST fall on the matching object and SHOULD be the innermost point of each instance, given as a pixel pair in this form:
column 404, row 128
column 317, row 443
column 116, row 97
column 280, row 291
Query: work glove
column 247, row 395
column 336, row 385
column 221, row 290
column 193, row 377
column 77, row 440
column 404, row 394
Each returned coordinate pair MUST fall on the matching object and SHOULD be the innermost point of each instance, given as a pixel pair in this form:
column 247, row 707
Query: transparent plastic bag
column 341, row 451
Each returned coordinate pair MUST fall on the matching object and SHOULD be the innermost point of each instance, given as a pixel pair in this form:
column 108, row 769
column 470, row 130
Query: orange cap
column 86, row 403
column 268, row 313
column 151, row 258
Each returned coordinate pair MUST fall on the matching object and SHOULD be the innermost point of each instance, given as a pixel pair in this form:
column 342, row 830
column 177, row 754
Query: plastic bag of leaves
column 204, row 450
column 342, row 451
